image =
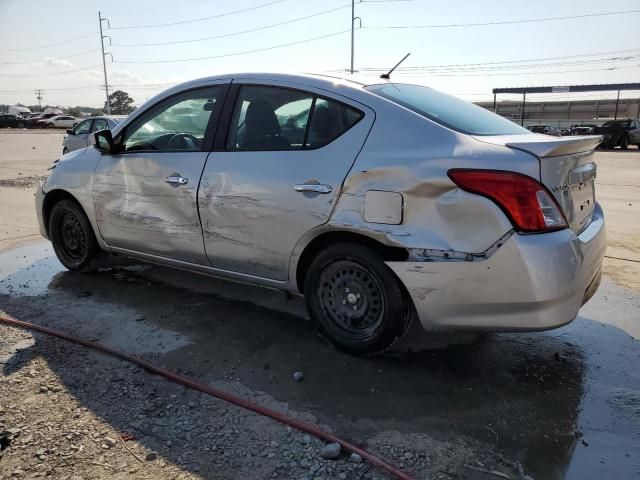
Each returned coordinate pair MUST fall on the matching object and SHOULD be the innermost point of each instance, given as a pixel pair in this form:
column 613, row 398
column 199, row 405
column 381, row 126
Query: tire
column 65, row 150
column 356, row 301
column 20, row 125
column 624, row 142
column 72, row 237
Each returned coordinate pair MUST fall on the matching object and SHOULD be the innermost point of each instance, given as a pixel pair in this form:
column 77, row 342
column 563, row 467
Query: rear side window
column 276, row 118
column 329, row 121
column 100, row 124
column 446, row 110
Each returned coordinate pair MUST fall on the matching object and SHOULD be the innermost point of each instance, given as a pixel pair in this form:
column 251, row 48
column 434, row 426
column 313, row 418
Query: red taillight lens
column 526, row 202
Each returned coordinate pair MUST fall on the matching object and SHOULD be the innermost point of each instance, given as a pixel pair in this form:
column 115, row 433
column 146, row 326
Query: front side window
column 277, row 118
column 83, row 127
column 177, row 123
column 446, row 110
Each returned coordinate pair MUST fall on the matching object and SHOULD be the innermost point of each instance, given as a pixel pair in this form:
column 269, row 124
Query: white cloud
column 57, row 62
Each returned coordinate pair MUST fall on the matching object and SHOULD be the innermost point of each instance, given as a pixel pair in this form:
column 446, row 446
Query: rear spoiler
column 553, row 147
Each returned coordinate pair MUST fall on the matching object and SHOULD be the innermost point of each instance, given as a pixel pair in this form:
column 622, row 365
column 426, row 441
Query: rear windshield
column 447, row 110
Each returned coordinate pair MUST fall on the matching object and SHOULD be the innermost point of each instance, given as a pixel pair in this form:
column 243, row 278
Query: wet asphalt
column 566, row 403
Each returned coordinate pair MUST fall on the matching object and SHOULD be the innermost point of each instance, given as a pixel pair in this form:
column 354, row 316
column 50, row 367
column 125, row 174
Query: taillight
column 528, row 204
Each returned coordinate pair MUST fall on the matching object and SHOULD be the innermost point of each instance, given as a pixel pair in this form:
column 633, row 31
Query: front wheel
column 356, row 301
column 72, row 237
column 624, row 142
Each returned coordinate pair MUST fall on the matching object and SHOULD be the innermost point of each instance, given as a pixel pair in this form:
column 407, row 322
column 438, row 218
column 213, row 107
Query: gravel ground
column 149, row 428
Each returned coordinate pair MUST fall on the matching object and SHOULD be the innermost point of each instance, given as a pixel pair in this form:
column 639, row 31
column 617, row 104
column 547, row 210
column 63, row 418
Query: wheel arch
column 53, row 197
column 327, row 238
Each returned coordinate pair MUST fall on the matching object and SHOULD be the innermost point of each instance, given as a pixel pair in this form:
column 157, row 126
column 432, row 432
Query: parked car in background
column 37, row 121
column 545, row 129
column 582, row 130
column 383, row 204
column 78, row 136
column 12, row 121
column 59, row 121
column 619, row 133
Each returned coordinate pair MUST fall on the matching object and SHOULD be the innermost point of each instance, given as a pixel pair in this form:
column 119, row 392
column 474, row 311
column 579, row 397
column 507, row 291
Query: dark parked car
column 13, row 121
column 619, row 133
column 39, row 120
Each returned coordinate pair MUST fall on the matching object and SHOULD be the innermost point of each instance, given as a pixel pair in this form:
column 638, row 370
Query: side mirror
column 70, row 131
column 102, row 140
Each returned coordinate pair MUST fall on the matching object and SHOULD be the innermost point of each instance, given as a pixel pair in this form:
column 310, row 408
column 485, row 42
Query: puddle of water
column 28, row 270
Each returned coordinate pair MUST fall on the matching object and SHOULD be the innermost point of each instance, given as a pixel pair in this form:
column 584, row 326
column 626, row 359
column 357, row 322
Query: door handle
column 176, row 180
column 313, row 187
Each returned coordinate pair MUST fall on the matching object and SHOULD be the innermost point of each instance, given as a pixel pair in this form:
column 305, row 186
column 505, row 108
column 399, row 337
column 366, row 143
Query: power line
column 200, row 19
column 532, row 66
column 49, row 74
column 421, row 74
column 502, row 62
column 59, row 59
column 201, row 39
column 50, row 44
column 82, row 87
column 505, row 22
column 175, row 60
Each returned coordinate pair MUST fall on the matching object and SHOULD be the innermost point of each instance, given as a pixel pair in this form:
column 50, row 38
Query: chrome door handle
column 176, row 180
column 313, row 187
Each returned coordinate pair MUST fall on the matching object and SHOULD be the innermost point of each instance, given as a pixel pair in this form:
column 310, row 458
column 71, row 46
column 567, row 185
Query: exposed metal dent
column 434, row 255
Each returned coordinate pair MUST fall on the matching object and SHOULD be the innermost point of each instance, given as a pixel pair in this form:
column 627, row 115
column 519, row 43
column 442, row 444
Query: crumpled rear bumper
column 532, row 282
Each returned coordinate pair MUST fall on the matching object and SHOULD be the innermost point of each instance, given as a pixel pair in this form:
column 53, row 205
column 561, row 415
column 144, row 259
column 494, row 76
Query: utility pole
column 39, row 93
column 353, row 27
column 104, row 61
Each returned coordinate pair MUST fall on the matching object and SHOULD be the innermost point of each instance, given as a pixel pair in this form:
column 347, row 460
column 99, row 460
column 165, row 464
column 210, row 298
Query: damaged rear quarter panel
column 412, row 157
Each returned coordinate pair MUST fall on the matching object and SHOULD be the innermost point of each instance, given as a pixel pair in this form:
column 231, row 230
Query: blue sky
column 41, row 40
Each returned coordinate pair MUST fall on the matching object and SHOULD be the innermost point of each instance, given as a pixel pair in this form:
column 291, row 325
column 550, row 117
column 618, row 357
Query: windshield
column 616, row 123
column 447, row 110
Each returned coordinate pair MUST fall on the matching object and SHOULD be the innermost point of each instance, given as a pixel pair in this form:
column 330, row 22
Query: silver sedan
column 78, row 136
column 382, row 204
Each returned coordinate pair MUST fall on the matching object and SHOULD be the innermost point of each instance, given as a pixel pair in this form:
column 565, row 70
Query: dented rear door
column 254, row 205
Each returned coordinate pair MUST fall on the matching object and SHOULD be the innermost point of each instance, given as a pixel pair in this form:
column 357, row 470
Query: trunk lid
column 567, row 169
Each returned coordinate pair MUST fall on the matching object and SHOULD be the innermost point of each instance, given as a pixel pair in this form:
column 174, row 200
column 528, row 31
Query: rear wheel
column 356, row 301
column 20, row 125
column 72, row 237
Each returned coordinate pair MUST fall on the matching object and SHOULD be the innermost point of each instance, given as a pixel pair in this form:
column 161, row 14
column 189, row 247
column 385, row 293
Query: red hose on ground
column 179, row 379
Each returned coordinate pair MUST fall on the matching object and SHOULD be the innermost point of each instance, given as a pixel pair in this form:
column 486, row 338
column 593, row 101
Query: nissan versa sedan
column 78, row 136
column 382, row 203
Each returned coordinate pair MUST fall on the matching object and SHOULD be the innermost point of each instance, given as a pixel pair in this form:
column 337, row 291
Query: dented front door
column 146, row 202
column 145, row 195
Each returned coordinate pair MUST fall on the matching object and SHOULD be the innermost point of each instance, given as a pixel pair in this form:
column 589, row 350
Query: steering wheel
column 181, row 141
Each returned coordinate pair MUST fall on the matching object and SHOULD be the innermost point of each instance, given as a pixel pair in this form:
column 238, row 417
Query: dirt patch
column 22, row 182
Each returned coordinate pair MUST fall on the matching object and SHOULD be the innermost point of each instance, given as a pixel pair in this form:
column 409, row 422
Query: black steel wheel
column 624, row 142
column 356, row 301
column 72, row 237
